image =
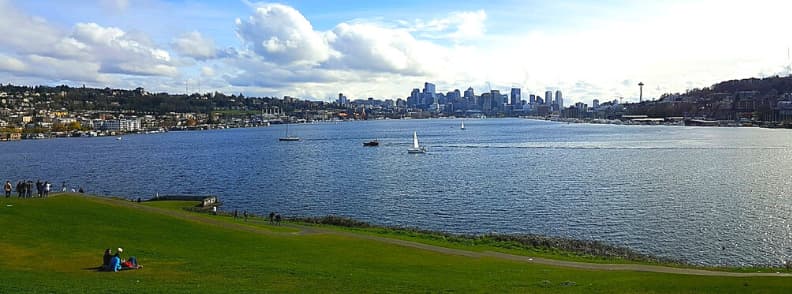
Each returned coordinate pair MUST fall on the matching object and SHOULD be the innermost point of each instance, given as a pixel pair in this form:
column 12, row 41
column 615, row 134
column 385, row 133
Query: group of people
column 24, row 189
column 274, row 218
column 114, row 262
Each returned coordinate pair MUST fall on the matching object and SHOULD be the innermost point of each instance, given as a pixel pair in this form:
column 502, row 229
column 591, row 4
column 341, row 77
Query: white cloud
column 282, row 35
column 195, row 45
column 8, row 63
column 36, row 48
column 366, row 46
column 457, row 26
column 23, row 33
column 207, row 71
column 116, row 5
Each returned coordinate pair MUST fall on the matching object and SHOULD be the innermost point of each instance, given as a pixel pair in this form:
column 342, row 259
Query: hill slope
column 50, row 245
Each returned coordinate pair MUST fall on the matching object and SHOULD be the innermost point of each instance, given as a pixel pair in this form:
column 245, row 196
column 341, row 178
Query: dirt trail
column 304, row 230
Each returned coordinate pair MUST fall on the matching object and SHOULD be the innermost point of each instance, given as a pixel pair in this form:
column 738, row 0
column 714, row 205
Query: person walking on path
column 7, row 189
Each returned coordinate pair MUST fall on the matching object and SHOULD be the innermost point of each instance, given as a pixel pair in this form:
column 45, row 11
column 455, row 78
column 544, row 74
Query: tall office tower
column 595, row 103
column 515, row 96
column 531, row 99
column 469, row 94
column 415, row 98
column 486, row 102
column 548, row 97
column 342, row 100
column 429, row 95
column 559, row 99
column 496, row 99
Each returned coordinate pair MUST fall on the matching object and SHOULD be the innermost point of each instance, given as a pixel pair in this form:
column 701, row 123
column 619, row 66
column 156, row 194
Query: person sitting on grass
column 118, row 264
column 108, row 255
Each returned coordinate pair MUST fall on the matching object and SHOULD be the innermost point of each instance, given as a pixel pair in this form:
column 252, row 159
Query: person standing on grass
column 272, row 217
column 29, row 189
column 236, row 214
column 20, row 189
column 39, row 189
column 7, row 189
column 277, row 218
column 244, row 213
column 47, row 187
column 63, row 186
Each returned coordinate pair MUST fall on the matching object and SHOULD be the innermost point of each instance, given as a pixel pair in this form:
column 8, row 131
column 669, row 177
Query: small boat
column 289, row 138
column 463, row 125
column 416, row 148
column 119, row 138
column 371, row 143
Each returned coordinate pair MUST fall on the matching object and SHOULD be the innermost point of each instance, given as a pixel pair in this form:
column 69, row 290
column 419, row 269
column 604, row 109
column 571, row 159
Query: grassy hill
column 51, row 245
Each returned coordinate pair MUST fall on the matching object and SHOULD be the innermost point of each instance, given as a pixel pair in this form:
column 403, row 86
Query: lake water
column 715, row 196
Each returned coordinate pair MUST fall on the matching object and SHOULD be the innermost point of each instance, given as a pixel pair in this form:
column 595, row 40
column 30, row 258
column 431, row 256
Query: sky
column 383, row 49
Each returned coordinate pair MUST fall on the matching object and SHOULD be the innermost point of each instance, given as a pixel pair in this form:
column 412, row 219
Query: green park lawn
column 53, row 244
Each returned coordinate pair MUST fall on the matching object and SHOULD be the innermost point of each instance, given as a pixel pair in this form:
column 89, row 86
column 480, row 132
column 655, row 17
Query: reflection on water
column 708, row 195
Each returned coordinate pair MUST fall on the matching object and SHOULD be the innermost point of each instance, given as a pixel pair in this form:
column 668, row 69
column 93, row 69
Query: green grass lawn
column 49, row 245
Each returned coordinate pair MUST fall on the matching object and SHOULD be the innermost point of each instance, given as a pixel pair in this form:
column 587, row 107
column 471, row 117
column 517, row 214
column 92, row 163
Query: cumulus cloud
column 371, row 47
column 23, row 33
column 195, row 45
column 33, row 47
column 118, row 52
column 282, row 35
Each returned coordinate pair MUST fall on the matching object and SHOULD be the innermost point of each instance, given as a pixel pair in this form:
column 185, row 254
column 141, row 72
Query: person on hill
column 118, row 264
column 39, row 189
column 29, row 189
column 63, row 186
column 81, row 190
column 272, row 217
column 236, row 214
column 277, row 218
column 244, row 214
column 20, row 189
column 7, row 189
column 47, row 188
column 108, row 255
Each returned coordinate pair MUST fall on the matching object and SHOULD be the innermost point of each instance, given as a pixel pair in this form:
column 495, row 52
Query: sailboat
column 288, row 137
column 416, row 148
column 463, row 125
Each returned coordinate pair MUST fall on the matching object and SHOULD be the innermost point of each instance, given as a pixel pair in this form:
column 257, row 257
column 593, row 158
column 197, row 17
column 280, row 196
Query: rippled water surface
column 708, row 195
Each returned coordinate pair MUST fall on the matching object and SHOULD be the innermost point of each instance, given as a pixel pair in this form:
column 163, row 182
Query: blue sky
column 315, row 49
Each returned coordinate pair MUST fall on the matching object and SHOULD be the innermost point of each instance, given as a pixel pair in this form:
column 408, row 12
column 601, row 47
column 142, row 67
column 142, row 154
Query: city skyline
column 314, row 51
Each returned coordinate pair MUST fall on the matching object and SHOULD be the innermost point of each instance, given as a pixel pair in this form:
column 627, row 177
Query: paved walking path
column 253, row 227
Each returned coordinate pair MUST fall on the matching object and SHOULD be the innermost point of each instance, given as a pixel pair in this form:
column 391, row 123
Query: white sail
column 463, row 125
column 415, row 140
